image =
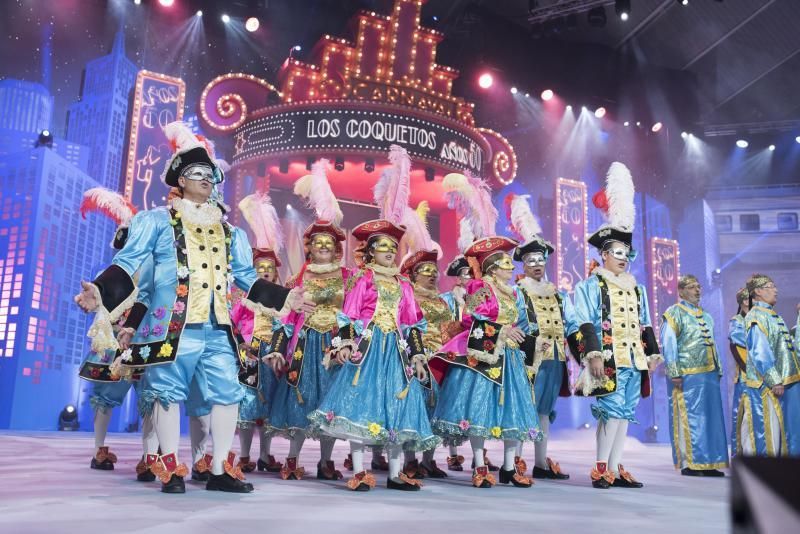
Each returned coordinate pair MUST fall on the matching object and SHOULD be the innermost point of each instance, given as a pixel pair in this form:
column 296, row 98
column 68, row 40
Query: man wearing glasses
column 771, row 404
column 697, row 425
column 617, row 345
column 187, row 332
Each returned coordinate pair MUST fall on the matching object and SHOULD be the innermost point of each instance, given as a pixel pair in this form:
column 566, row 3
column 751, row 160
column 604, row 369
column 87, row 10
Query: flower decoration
column 298, row 354
column 451, row 356
column 606, row 325
column 403, row 344
column 496, row 431
column 488, row 345
column 183, row 271
column 409, row 371
column 374, row 429
column 490, row 330
column 329, row 416
column 179, row 307
column 464, row 425
column 336, row 342
column 367, row 333
column 144, row 352
column 610, row 385
column 607, row 340
column 533, row 433
column 182, row 290
column 157, row 330
column 144, row 331
column 609, row 372
column 174, row 326
column 608, row 354
column 356, row 356
column 127, row 355
column 166, row 350
column 392, row 436
column 472, row 361
column 494, row 373
column 292, row 376
column 478, row 333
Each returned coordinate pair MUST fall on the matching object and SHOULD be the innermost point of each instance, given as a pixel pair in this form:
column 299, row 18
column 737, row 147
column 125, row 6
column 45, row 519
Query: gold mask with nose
column 384, row 244
column 323, row 242
column 265, row 267
column 504, row 262
column 427, row 269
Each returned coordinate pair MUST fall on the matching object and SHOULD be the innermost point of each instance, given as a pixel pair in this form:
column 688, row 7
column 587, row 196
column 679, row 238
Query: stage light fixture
column 597, row 17
column 528, row 95
column 569, row 107
column 430, row 174
column 166, row 3
column 513, row 90
column 45, row 139
column 199, row 13
column 656, row 127
column 583, row 108
column 297, row 48
column 742, row 143
column 639, row 124
column 626, row 123
column 226, row 18
column 283, row 166
column 369, row 165
column 547, row 95
column 251, row 24
column 797, row 139
column 683, row 2
column 339, row 163
column 68, row 418
column 771, row 148
column 623, row 8
column 137, row 2
column 600, row 112
column 289, row 207
column 485, row 81
column 684, row 135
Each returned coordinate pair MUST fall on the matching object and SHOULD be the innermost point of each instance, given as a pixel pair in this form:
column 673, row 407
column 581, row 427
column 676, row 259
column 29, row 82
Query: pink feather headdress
column 315, row 189
column 260, row 214
column 471, row 197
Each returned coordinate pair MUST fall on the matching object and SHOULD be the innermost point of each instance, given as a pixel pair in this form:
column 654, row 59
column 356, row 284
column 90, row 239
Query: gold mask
column 428, row 269
column 505, row 262
column 323, row 242
column 384, row 244
column 265, row 267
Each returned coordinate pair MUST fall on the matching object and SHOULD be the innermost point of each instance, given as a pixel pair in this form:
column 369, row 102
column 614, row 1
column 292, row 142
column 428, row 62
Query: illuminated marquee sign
column 371, row 91
column 158, row 100
column 665, row 267
column 571, row 220
column 307, row 129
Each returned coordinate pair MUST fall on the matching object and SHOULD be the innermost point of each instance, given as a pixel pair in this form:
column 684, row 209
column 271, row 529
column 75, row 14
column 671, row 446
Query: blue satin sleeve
column 141, row 243
column 760, row 353
column 644, row 308
column 587, row 305
column 450, row 300
column 669, row 348
column 244, row 274
column 571, row 324
column 736, row 333
column 522, row 316
column 145, row 281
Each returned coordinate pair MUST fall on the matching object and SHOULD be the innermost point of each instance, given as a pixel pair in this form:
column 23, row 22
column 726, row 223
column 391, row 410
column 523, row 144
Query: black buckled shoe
column 553, row 471
column 626, row 480
column 433, row 470
column 225, row 482
column 405, row 483
column 143, row 471
column 175, row 485
column 692, row 472
column 272, row 466
column 103, row 460
column 513, row 477
column 713, row 473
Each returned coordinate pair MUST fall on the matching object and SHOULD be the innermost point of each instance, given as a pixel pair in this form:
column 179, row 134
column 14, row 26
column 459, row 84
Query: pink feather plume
column 393, row 189
column 315, row 189
column 260, row 214
column 109, row 203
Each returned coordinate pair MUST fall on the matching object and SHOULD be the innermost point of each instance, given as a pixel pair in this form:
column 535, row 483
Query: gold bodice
column 550, row 322
column 508, row 313
column 437, row 313
column 328, row 295
column 262, row 327
column 205, row 253
column 385, row 316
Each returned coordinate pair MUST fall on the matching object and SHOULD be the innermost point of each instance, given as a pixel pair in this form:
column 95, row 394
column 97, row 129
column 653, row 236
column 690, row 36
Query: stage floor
column 47, row 487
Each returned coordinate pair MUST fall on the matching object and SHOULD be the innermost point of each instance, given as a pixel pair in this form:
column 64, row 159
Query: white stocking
column 509, row 451
column 102, row 418
column 615, row 457
column 453, row 450
column 326, row 448
column 223, row 427
column 167, row 422
column 395, row 460
column 245, row 441
column 265, row 443
column 199, row 428
column 296, row 444
column 541, row 446
column 357, row 455
column 149, row 437
column 477, row 450
column 606, row 432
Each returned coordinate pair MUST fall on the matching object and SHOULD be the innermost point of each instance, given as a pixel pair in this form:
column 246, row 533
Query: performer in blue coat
column 737, row 338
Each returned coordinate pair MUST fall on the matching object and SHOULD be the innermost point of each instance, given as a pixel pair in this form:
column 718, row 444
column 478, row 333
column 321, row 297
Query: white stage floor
column 47, row 487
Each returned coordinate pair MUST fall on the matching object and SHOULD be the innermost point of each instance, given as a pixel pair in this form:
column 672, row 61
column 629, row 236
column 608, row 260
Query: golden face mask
column 265, row 267
column 384, row 244
column 427, row 269
column 505, row 262
column 323, row 242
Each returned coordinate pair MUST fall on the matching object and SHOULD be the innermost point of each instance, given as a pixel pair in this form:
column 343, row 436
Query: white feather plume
column 620, row 196
column 417, row 235
column 465, row 235
column 109, row 203
column 260, row 214
column 471, row 197
column 180, row 137
column 523, row 221
column 317, row 192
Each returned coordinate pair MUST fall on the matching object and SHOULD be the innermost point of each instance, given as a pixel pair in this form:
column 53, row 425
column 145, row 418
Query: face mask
column 384, row 244
column 323, row 242
column 202, row 171
column 464, row 274
column 428, row 269
column 265, row 267
column 535, row 259
column 505, row 263
column 622, row 253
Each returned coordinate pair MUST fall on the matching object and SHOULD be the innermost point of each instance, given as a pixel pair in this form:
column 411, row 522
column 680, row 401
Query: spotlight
column 297, row 48
column 569, row 107
column 226, row 18
column 547, row 94
column 339, row 163
column 45, row 139
column 166, row 3
column 623, row 8
column 528, row 95
column 600, row 112
column 68, row 418
column 137, row 2
column 283, row 166
column 626, row 123
column 199, row 13
column 797, row 139
column 289, row 207
column 742, row 143
column 597, row 17
column 251, row 24
column 771, row 148
column 684, row 135
column 656, row 127
column 639, row 124
column 429, row 174
column 514, row 90
column 486, row 80
column 683, row 2
column 369, row 165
